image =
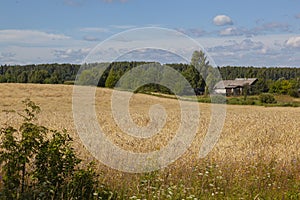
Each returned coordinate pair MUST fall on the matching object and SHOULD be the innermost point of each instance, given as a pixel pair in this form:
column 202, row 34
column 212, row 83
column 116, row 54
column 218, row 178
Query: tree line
column 42, row 73
column 199, row 74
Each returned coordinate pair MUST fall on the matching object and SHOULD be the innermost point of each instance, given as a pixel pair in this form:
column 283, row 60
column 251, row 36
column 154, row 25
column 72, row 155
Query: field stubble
column 252, row 135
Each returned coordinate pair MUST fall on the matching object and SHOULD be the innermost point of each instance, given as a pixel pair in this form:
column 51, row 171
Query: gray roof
column 238, row 82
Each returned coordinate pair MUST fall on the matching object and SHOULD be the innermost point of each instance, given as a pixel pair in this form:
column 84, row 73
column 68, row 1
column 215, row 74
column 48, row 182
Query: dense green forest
column 43, row 73
column 270, row 79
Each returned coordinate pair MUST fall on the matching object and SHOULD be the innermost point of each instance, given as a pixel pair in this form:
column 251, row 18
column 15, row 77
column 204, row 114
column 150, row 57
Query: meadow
column 256, row 157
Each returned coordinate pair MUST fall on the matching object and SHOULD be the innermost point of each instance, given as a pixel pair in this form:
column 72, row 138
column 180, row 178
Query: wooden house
column 234, row 87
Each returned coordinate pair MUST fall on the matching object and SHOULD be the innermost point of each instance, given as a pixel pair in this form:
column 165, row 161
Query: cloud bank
column 13, row 35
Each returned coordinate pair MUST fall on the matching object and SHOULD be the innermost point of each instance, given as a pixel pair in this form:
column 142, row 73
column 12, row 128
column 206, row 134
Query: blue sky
column 233, row 32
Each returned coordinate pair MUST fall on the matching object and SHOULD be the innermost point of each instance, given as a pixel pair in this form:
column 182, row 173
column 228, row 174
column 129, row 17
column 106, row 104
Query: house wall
column 220, row 91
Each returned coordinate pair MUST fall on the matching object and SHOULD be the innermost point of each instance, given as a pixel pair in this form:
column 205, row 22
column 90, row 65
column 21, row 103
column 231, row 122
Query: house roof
column 238, row 82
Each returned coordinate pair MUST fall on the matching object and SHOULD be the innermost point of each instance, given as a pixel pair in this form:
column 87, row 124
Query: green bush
column 266, row 98
column 294, row 93
column 248, row 102
column 38, row 163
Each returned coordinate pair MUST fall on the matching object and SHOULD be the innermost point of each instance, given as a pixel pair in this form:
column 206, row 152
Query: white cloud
column 27, row 47
column 34, row 46
column 266, row 28
column 193, row 32
column 25, row 55
column 151, row 55
column 222, row 20
column 231, row 31
column 7, row 54
column 90, row 38
column 94, row 29
column 122, row 26
column 259, row 50
column 272, row 27
column 293, row 42
column 29, row 36
column 7, row 57
column 71, row 55
column 247, row 45
column 228, row 31
column 297, row 16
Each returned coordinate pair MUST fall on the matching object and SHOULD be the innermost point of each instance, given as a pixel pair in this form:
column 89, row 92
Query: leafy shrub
column 248, row 102
column 294, row 93
column 38, row 163
column 267, row 98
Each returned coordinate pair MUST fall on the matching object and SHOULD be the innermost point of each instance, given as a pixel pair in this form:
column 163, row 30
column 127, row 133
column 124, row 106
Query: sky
column 232, row 32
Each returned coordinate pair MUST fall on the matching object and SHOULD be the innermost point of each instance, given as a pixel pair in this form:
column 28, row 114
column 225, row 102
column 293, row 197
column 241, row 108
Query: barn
column 234, row 87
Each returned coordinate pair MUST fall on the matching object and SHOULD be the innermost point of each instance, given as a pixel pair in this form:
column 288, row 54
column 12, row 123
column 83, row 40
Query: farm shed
column 234, row 87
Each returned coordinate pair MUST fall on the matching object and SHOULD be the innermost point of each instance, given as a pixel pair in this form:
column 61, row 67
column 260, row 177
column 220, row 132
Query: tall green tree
column 112, row 78
column 200, row 62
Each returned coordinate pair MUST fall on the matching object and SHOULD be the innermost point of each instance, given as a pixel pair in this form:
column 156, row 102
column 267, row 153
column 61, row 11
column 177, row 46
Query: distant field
column 252, row 136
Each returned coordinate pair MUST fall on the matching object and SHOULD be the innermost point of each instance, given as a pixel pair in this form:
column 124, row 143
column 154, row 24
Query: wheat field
column 252, row 135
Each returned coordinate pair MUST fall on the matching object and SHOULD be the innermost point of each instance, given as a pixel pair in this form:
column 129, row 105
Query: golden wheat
column 251, row 134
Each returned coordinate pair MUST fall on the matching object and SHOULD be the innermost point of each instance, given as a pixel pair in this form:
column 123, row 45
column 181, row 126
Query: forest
column 279, row 80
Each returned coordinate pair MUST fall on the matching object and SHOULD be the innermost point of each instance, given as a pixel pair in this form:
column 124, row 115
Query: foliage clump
column 38, row 163
column 266, row 98
column 294, row 93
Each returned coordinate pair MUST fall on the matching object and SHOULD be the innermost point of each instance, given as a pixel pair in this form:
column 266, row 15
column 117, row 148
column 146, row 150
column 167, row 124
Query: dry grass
column 251, row 134
column 286, row 99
